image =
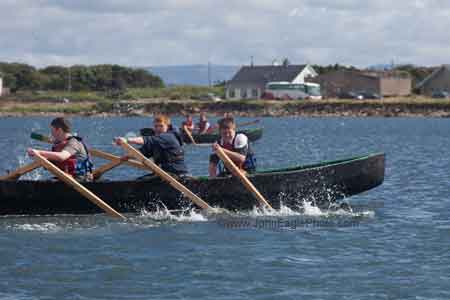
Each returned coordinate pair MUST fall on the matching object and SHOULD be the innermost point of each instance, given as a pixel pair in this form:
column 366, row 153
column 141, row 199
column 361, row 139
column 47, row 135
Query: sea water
column 392, row 244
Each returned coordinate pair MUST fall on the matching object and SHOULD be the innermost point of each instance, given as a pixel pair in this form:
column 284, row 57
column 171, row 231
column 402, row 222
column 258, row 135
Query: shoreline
column 436, row 108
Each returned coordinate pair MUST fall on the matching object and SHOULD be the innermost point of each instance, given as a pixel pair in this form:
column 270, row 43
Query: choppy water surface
column 394, row 245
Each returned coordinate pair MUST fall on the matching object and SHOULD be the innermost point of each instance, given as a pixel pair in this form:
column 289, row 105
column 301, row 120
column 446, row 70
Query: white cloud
column 143, row 33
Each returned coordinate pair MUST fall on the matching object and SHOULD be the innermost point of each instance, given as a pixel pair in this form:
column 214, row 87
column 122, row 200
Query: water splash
column 162, row 214
column 33, row 175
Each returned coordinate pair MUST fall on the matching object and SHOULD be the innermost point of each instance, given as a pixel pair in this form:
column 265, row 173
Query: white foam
column 43, row 227
column 33, row 175
column 306, row 209
column 163, row 214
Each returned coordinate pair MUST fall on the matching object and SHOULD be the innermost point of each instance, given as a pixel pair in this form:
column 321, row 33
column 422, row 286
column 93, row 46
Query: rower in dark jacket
column 165, row 146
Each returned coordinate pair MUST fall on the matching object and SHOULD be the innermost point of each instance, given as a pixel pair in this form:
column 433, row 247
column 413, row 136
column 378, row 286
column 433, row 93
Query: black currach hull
column 322, row 183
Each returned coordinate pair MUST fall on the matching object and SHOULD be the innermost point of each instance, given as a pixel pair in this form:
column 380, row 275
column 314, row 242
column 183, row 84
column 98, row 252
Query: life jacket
column 72, row 165
column 202, row 125
column 168, row 157
column 249, row 163
column 188, row 124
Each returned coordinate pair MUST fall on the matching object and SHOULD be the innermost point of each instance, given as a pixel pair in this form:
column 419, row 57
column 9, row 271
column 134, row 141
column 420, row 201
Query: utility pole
column 69, row 86
column 209, row 74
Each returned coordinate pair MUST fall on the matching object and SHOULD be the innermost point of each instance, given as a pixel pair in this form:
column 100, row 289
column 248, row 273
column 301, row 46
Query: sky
column 182, row 32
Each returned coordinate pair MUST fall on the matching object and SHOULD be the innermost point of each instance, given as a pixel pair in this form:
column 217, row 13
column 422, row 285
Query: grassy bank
column 180, row 100
column 171, row 93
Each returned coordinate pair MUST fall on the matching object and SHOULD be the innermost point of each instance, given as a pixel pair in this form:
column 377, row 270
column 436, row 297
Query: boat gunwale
column 316, row 166
column 262, row 173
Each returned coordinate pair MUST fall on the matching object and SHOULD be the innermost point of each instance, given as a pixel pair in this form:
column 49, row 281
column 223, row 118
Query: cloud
column 145, row 33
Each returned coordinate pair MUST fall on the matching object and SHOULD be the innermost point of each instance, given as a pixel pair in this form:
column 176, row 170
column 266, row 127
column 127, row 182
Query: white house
column 1, row 86
column 250, row 81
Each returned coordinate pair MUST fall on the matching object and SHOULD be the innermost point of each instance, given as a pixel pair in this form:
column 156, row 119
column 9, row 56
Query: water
column 394, row 245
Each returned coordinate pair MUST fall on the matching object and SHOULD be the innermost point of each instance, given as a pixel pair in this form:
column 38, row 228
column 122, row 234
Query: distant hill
column 381, row 67
column 193, row 74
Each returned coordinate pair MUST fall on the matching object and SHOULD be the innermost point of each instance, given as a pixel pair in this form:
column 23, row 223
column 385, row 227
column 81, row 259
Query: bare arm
column 237, row 158
column 139, row 140
column 51, row 155
column 134, row 140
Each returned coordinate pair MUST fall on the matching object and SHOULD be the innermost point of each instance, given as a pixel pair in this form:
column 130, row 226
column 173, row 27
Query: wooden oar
column 98, row 172
column 188, row 133
column 77, row 186
column 112, row 157
column 165, row 176
column 236, row 172
column 20, row 171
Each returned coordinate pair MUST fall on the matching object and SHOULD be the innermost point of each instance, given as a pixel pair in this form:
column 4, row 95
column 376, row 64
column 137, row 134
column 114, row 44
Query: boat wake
column 162, row 214
column 305, row 215
column 36, row 227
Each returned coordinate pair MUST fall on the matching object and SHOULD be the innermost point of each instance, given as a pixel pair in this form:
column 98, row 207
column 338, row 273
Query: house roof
column 264, row 74
column 368, row 74
column 432, row 75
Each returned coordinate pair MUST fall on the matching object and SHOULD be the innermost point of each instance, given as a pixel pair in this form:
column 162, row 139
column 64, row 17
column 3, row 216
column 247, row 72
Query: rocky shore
column 250, row 108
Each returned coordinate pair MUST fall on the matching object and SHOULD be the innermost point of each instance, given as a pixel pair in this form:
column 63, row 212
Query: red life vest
column 230, row 146
column 69, row 165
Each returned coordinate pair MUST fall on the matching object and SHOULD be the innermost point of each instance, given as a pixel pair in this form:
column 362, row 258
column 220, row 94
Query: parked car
column 440, row 94
column 370, row 95
column 209, row 97
column 349, row 95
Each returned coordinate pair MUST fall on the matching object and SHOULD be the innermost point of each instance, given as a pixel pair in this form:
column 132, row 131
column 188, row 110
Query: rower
column 188, row 123
column 235, row 145
column 69, row 152
column 165, row 146
column 203, row 125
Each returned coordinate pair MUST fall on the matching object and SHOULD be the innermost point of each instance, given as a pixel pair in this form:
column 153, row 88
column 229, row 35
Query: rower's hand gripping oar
column 236, row 172
column 74, row 184
column 161, row 173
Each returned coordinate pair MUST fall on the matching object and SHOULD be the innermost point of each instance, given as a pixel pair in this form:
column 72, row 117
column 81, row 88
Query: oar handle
column 236, row 172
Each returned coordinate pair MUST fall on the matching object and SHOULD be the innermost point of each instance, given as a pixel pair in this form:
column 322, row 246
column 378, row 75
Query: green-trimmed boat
column 322, row 183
